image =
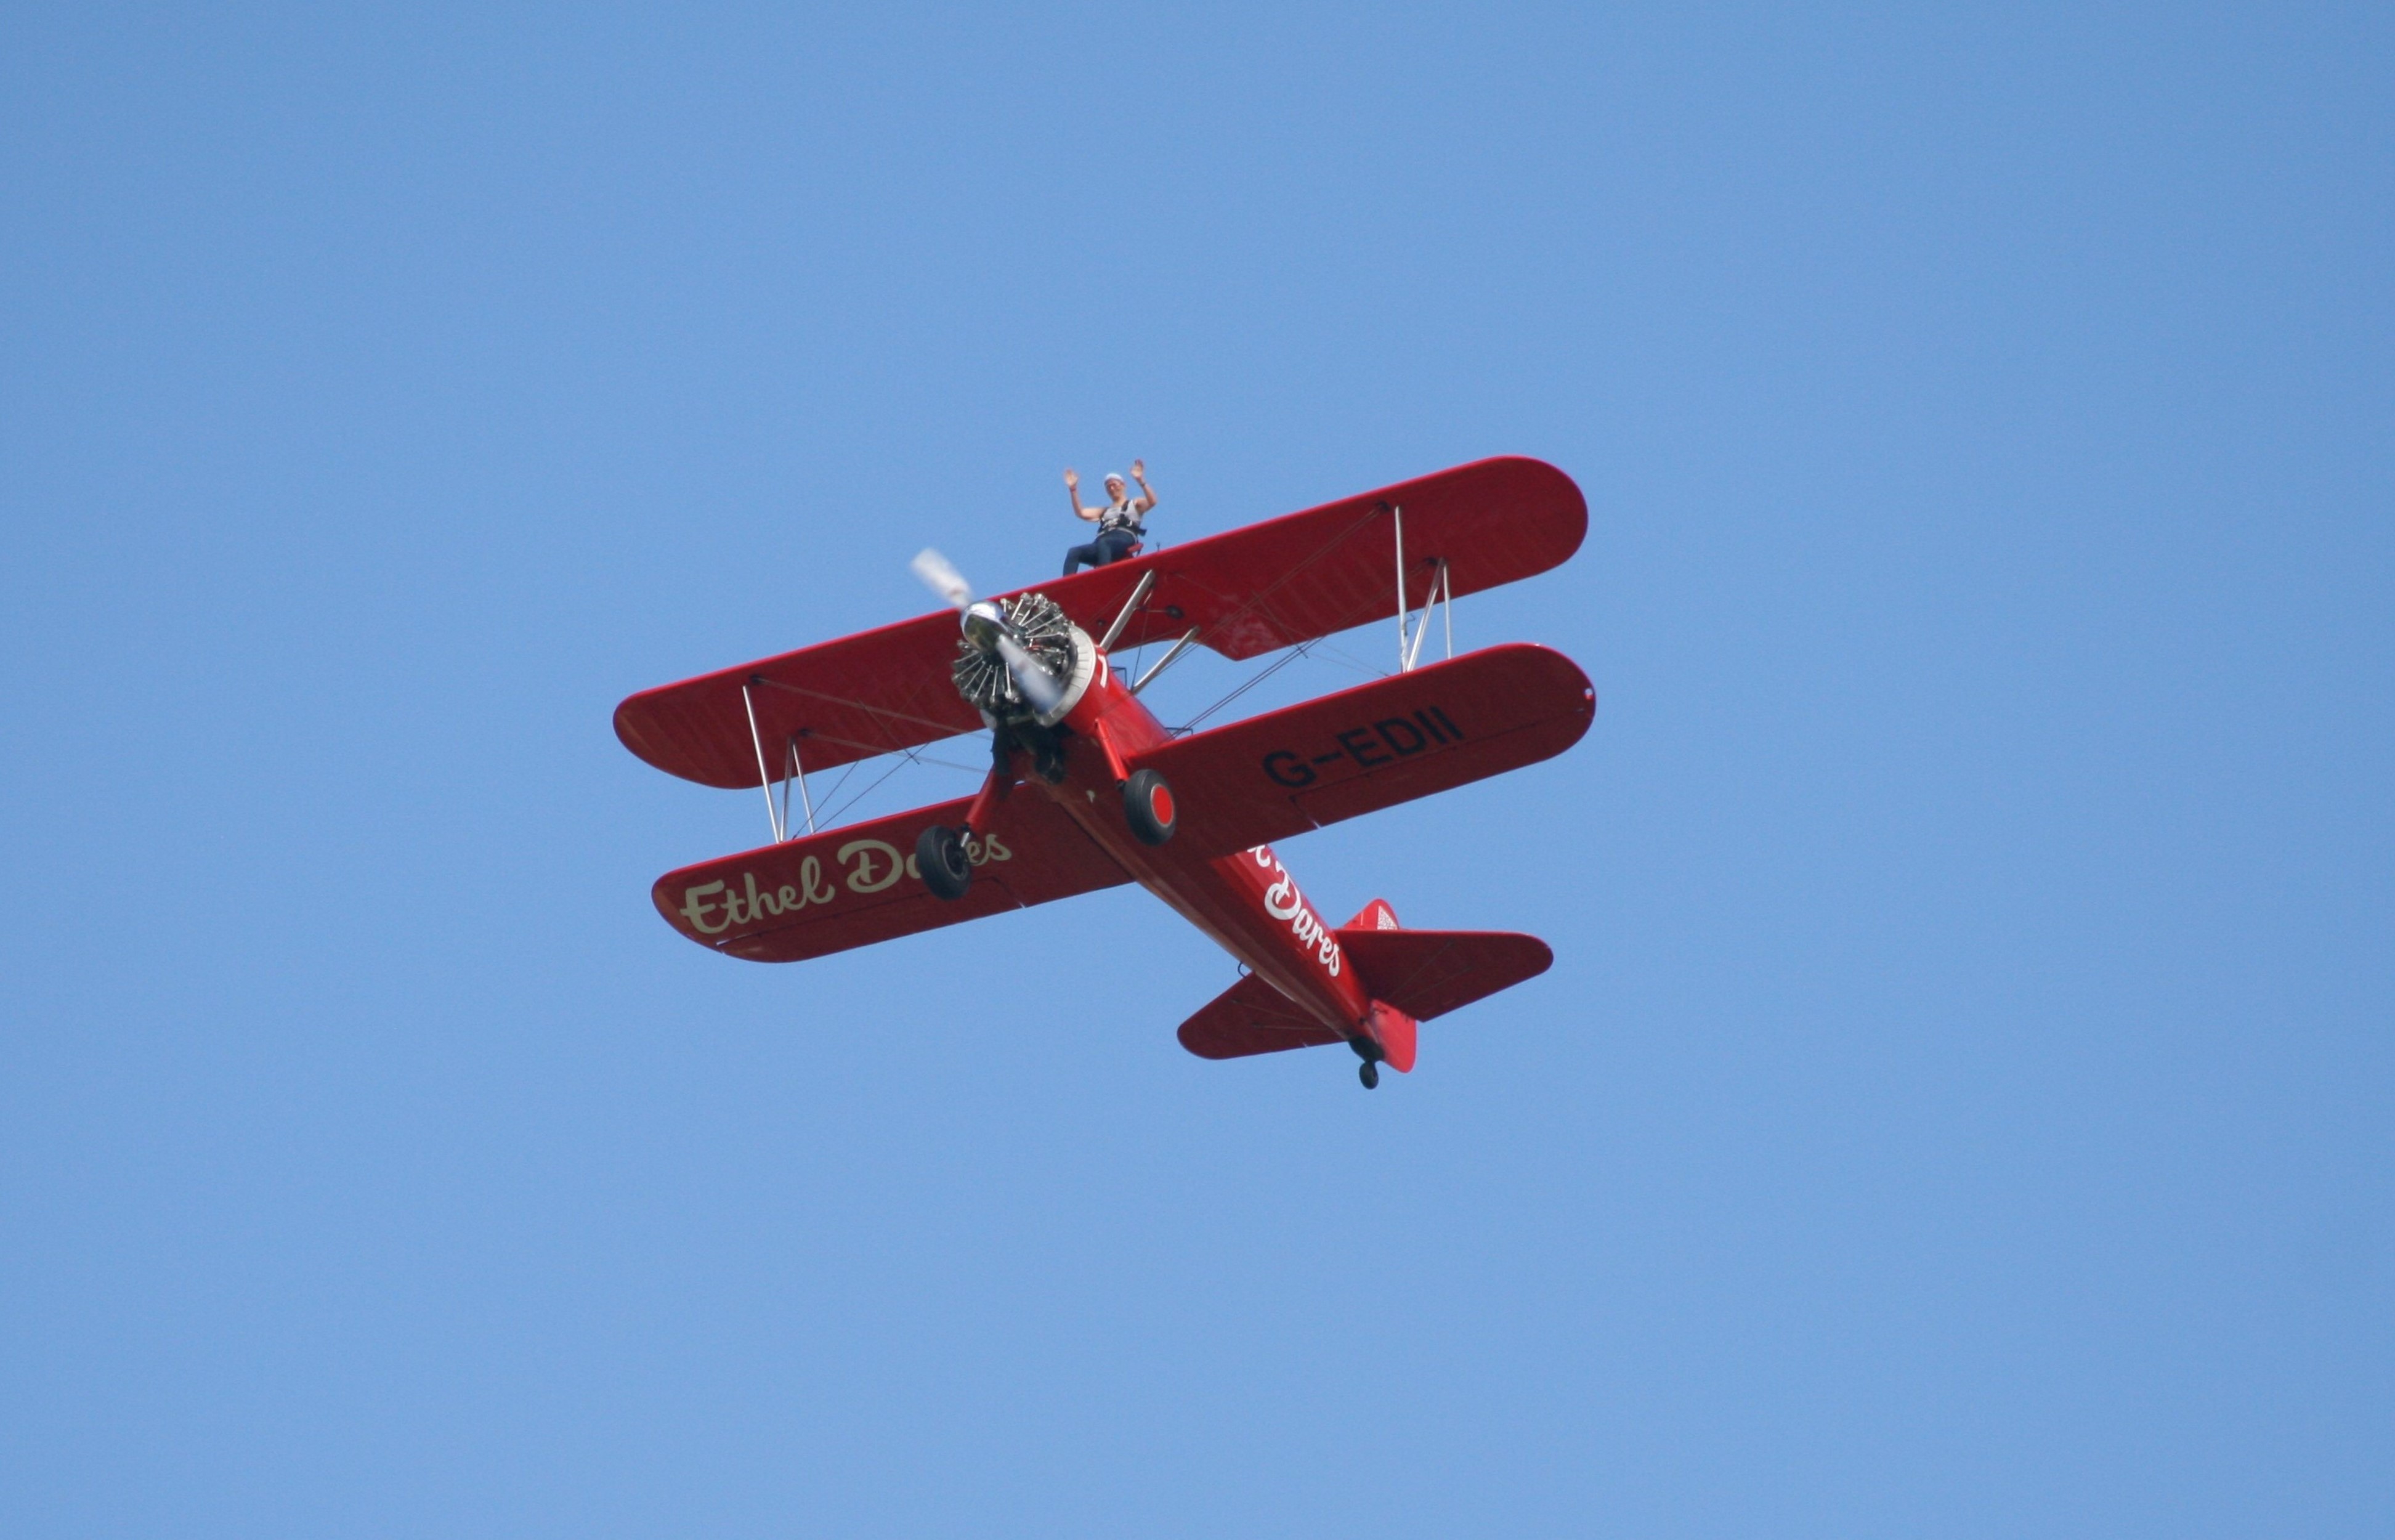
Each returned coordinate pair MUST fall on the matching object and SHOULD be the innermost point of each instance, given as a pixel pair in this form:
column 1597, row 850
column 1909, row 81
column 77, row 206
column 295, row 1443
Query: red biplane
column 1088, row 790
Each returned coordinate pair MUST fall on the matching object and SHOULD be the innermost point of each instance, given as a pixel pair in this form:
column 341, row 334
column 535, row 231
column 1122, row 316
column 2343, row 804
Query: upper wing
column 1380, row 744
column 1293, row 578
column 855, row 886
column 1245, row 591
column 874, row 693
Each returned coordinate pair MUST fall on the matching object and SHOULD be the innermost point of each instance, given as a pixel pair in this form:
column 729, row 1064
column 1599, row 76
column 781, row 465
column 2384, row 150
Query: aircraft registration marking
column 1369, row 746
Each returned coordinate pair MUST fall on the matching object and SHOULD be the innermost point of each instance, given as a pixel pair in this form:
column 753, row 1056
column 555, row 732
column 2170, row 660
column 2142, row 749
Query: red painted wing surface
column 1444, row 725
column 1291, row 579
column 1427, row 973
column 1252, row 1017
column 873, row 693
column 1247, row 591
column 855, row 885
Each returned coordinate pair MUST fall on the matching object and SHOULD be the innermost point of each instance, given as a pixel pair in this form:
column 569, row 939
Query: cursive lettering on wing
column 873, row 865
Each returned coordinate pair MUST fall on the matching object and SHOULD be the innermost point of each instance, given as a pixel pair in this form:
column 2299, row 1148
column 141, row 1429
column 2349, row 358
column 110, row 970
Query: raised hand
column 1138, row 470
column 1072, row 478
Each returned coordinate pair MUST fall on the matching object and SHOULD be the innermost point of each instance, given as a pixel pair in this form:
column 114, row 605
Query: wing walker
column 1088, row 790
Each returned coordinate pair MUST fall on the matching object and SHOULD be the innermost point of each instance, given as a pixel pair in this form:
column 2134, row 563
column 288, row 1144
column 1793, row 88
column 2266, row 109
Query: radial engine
column 1007, row 638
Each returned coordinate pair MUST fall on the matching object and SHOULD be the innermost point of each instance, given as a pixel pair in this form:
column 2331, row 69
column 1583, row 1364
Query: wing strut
column 1410, row 636
column 764, row 778
column 1441, row 590
column 1165, row 662
column 795, row 769
column 1130, row 605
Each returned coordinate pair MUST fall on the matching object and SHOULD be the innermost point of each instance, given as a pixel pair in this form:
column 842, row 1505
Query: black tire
column 1370, row 1073
column 940, row 856
column 1147, row 804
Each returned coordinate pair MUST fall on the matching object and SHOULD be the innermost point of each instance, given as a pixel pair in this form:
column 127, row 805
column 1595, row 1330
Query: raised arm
column 1147, row 499
column 1073, row 490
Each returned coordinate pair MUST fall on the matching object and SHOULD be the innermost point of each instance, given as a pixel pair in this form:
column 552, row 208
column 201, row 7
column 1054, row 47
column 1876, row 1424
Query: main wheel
column 1148, row 803
column 940, row 856
column 1370, row 1073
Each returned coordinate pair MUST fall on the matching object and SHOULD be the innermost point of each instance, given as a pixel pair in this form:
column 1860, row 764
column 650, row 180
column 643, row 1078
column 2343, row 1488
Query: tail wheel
column 1370, row 1073
column 940, row 856
column 1148, row 803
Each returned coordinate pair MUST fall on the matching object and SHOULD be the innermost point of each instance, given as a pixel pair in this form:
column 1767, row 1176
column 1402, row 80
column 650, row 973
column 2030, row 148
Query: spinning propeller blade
column 942, row 578
column 1037, row 685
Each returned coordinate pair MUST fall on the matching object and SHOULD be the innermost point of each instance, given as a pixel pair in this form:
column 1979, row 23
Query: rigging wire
column 1333, row 655
column 896, row 765
column 845, row 771
column 906, row 757
column 1279, row 663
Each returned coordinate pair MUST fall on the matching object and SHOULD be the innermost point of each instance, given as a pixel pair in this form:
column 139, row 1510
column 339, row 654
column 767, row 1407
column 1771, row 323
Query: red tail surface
column 1252, row 1017
column 1427, row 973
column 1412, row 976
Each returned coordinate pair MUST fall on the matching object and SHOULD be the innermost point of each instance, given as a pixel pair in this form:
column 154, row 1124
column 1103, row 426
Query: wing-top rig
column 1087, row 789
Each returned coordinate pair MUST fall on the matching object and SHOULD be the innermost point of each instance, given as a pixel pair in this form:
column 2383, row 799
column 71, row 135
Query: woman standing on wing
column 1118, row 521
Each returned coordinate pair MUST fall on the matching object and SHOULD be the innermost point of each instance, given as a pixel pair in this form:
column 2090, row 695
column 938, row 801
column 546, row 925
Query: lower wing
column 858, row 884
column 1442, row 725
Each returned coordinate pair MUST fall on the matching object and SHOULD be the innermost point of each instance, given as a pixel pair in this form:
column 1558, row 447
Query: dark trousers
column 1113, row 546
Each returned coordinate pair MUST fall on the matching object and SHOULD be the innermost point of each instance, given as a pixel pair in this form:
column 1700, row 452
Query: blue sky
column 1960, row 1103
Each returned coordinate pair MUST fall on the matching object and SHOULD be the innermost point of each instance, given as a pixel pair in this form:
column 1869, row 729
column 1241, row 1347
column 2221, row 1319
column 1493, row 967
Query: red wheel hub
column 1159, row 803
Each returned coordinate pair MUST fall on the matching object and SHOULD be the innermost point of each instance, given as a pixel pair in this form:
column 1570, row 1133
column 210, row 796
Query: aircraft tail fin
column 1412, row 976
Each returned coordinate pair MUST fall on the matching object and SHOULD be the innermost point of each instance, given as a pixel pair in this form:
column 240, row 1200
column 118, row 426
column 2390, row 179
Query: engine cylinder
column 1060, row 648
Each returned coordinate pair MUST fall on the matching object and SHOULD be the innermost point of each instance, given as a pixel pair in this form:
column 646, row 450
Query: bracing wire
column 833, row 817
column 906, row 757
column 1277, row 664
column 845, row 771
column 1335, row 656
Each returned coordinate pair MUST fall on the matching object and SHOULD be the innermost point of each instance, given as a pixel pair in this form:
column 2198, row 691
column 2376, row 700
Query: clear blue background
column 1960, row 1103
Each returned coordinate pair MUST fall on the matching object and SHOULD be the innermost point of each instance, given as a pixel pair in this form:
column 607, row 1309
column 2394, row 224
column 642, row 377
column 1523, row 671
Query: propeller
column 941, row 576
column 986, row 627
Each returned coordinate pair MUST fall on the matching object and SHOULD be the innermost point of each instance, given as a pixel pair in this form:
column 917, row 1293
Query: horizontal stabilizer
column 1442, row 725
column 1252, row 1017
column 1427, row 973
column 857, row 884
